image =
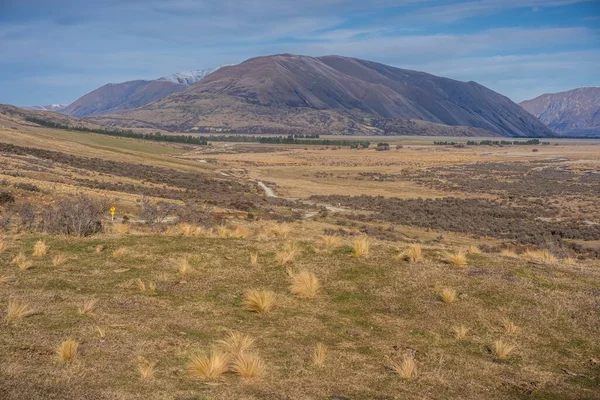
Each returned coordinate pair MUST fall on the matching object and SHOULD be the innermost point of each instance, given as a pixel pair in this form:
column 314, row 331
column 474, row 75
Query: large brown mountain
column 115, row 97
column 332, row 94
column 572, row 113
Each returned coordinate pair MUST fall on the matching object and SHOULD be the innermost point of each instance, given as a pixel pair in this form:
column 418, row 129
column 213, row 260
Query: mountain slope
column 189, row 77
column 572, row 113
column 332, row 94
column 49, row 107
column 121, row 96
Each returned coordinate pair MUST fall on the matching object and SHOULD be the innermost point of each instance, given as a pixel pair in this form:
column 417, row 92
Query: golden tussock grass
column 360, row 247
column 259, row 301
column 509, row 326
column 40, row 249
column 223, row 231
column 67, row 351
column 87, row 307
column 150, row 288
column 236, row 343
column 447, row 295
column 145, row 368
column 6, row 278
column 120, row 252
column 99, row 249
column 319, row 355
column 280, row 230
column 501, row 350
column 240, row 232
column 328, row 242
column 16, row 311
column 474, row 250
column 305, row 284
column 509, row 253
column 59, row 259
column 460, row 332
column 22, row 262
column 457, row 258
column 253, row 258
column 121, row 228
column 186, row 229
column 248, row 365
column 414, row 253
column 288, row 255
column 209, row 367
column 406, row 368
column 183, row 267
column 543, row 256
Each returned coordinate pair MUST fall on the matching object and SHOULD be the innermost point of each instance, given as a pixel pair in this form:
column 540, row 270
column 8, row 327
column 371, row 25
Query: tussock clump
column 184, row 267
column 67, row 351
column 458, row 259
column 16, row 311
column 474, row 250
column 59, row 259
column 509, row 326
column 329, row 243
column 288, row 254
column 305, row 284
column 146, row 289
column 280, row 230
column 22, row 262
column 254, row 258
column 186, row 229
column 121, row 228
column 259, row 301
column 88, row 306
column 509, row 253
column 240, row 232
column 209, row 367
column 407, row 367
column 414, row 253
column 236, row 343
column 501, row 350
column 319, row 355
column 120, row 252
column 447, row 295
column 146, row 368
column 248, row 365
column 5, row 278
column 360, row 248
column 460, row 332
column 40, row 249
column 99, row 249
column 542, row 256
column 223, row 231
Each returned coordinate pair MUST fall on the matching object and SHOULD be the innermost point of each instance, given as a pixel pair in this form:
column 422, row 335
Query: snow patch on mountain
column 49, row 107
column 189, row 77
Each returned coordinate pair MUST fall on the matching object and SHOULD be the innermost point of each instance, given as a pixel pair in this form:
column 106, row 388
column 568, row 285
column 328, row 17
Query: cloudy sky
column 53, row 51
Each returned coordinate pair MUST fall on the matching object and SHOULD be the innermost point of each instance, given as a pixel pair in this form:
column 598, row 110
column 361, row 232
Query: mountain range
column 288, row 93
column 572, row 113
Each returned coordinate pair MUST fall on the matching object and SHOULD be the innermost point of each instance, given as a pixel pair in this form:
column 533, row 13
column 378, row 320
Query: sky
column 54, row 51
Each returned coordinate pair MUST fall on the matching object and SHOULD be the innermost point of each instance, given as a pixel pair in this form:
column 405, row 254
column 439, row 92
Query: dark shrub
column 27, row 186
column 6, row 197
column 79, row 216
column 26, row 213
column 156, row 213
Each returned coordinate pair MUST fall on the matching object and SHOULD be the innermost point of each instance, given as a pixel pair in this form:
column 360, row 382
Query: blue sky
column 53, row 51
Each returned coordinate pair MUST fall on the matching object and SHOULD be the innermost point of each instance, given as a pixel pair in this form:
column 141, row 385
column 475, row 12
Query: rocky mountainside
column 572, row 113
column 288, row 93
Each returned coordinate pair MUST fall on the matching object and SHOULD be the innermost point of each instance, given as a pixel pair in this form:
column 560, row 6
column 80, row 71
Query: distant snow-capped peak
column 189, row 77
column 49, row 107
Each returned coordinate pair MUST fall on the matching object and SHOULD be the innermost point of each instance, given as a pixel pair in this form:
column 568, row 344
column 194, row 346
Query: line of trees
column 530, row 142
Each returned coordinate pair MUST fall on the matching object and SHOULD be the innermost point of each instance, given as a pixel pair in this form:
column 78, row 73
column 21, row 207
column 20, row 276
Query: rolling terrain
column 332, row 94
column 572, row 113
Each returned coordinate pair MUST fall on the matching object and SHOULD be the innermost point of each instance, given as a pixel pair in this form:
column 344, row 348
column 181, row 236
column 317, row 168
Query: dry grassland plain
column 420, row 272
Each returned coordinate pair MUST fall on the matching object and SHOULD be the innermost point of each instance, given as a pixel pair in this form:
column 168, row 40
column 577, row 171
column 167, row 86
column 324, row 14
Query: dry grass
column 458, row 258
column 280, row 230
column 509, row 326
column 121, row 228
column 329, row 243
column 87, row 308
column 543, row 256
column 447, row 295
column 146, row 369
column 99, row 249
column 237, row 343
column 414, row 253
column 319, row 355
column 253, row 258
column 287, row 256
column 101, row 332
column 150, row 288
column 40, row 249
column 248, row 365
column 407, row 367
column 17, row 311
column 360, row 248
column 22, row 262
column 59, row 259
column 209, row 367
column 460, row 332
column 305, row 284
column 120, row 252
column 259, row 301
column 240, row 232
column 474, row 250
column 501, row 350
column 6, row 278
column 3, row 246
column 509, row 253
column 67, row 351
column 223, row 232
column 184, row 267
